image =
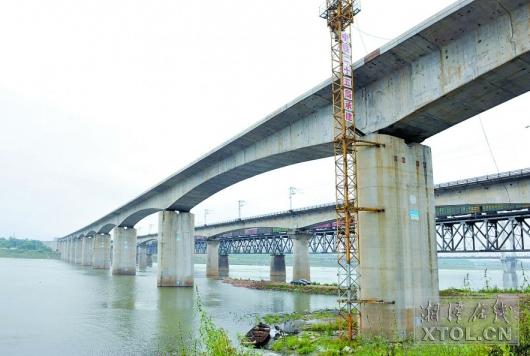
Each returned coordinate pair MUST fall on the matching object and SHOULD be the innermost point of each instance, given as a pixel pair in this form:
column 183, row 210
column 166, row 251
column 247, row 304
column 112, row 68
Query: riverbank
column 326, row 289
column 32, row 254
column 317, row 333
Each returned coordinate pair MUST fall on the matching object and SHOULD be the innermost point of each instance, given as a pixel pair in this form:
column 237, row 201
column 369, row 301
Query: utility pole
column 206, row 212
column 240, row 204
column 292, row 191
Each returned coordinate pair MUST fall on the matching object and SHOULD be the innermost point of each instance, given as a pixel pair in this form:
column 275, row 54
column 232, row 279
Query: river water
column 49, row 307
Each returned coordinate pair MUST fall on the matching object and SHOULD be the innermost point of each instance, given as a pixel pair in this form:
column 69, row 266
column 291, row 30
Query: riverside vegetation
column 18, row 248
column 319, row 329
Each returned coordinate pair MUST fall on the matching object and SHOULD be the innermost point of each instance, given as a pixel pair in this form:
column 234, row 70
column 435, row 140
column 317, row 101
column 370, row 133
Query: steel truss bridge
column 479, row 233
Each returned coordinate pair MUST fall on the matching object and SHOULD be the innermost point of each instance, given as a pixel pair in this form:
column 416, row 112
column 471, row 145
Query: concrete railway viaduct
column 466, row 59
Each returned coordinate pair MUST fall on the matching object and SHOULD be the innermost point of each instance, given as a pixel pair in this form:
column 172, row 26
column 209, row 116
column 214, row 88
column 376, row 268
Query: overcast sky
column 100, row 100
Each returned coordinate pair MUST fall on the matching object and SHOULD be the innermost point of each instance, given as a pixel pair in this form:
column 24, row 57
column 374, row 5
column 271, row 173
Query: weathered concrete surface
column 301, row 267
column 277, row 271
column 175, row 249
column 78, row 251
column 124, row 251
column 101, row 256
column 398, row 246
column 212, row 259
column 69, row 250
column 468, row 58
column 87, row 245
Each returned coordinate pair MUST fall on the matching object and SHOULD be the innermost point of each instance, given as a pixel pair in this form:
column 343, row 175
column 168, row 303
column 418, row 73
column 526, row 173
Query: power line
column 356, row 27
column 492, row 155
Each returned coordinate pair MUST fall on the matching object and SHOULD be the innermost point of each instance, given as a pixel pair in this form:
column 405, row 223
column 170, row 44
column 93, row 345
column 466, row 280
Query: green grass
column 281, row 318
column 320, row 339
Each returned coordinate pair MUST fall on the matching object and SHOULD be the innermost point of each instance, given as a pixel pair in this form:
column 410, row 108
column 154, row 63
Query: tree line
column 22, row 244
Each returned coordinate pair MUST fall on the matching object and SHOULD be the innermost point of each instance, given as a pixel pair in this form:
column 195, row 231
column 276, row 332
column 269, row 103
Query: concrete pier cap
column 398, row 246
column 176, row 232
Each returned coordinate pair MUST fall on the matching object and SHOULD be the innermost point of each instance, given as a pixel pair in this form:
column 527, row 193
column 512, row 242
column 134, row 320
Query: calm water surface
column 50, row 307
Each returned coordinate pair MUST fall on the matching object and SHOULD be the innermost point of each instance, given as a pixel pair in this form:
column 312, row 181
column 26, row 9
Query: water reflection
column 54, row 308
column 301, row 303
column 178, row 322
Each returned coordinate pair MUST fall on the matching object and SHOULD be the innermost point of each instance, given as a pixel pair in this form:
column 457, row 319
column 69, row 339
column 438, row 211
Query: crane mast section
column 340, row 16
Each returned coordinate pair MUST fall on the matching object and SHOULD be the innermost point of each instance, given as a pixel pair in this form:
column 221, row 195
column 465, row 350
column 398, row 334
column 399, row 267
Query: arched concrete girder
column 90, row 233
column 106, row 229
column 135, row 217
column 218, row 182
column 406, row 89
column 250, row 155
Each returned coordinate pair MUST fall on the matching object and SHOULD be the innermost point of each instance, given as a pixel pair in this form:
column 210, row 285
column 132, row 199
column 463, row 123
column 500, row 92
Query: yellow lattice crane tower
column 340, row 15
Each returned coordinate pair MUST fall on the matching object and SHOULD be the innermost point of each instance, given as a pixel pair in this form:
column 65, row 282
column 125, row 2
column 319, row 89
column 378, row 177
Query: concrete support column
column 509, row 274
column 124, row 251
column 175, row 249
column 101, row 254
column 224, row 267
column 78, row 251
column 212, row 258
column 149, row 260
column 86, row 254
column 142, row 258
column 68, row 250
column 301, row 267
column 398, row 246
column 277, row 272
column 72, row 250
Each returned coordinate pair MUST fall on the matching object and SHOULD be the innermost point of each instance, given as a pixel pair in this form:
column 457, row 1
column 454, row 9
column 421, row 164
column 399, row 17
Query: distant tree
column 23, row 244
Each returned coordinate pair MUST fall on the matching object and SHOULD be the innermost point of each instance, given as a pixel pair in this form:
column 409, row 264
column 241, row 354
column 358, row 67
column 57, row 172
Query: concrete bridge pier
column 101, row 255
column 87, row 245
column 149, row 260
column 212, row 258
column 224, row 266
column 62, row 249
column 78, row 251
column 175, row 249
column 277, row 272
column 398, row 246
column 509, row 274
column 124, row 251
column 68, row 250
column 142, row 258
column 301, row 266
